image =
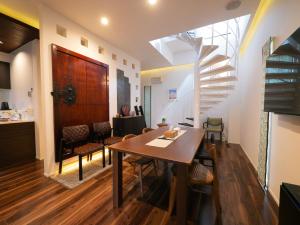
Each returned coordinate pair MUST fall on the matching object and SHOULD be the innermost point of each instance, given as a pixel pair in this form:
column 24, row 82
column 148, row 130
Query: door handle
column 68, row 93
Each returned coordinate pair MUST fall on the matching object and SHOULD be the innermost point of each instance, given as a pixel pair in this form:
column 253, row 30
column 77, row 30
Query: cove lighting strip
column 165, row 69
column 18, row 16
column 261, row 11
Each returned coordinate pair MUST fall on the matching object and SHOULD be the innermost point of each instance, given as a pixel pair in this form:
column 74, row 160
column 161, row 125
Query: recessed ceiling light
column 1, row 42
column 152, row 2
column 104, row 21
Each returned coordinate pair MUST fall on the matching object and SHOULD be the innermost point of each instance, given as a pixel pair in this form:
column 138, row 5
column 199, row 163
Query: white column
column 196, row 95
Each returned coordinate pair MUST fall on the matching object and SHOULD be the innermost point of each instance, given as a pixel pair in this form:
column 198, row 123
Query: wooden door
column 88, row 80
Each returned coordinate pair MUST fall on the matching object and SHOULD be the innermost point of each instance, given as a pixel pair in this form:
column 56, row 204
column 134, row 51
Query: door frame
column 150, row 103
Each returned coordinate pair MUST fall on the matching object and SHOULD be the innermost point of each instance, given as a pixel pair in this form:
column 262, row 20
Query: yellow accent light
column 165, row 69
column 18, row 16
column 260, row 12
column 73, row 166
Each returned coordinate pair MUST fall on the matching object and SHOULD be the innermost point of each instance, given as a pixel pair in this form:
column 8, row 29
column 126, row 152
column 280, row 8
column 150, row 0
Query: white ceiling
column 133, row 23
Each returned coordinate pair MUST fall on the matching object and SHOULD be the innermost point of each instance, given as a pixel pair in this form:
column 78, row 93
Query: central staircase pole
column 196, row 94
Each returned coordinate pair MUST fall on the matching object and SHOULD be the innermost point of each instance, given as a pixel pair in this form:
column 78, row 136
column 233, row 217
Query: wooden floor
column 27, row 197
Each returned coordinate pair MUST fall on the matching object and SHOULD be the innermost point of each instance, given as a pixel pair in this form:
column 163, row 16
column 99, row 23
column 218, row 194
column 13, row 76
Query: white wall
column 280, row 20
column 48, row 21
column 21, row 77
column 173, row 110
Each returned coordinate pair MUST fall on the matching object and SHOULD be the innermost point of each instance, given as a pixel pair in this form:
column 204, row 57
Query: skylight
column 226, row 34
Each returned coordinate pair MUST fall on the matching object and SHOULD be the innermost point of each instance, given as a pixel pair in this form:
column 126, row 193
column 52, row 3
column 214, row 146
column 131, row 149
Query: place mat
column 163, row 143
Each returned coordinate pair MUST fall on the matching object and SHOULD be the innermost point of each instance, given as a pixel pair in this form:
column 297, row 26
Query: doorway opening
column 147, row 105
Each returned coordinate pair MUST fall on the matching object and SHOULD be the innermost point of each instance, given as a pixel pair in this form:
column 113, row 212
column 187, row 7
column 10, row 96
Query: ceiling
column 14, row 34
column 133, row 23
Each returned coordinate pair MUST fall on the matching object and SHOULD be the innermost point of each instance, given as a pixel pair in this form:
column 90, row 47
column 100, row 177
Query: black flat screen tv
column 282, row 82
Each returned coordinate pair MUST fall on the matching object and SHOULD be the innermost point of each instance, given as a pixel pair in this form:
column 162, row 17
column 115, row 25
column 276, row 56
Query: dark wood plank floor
column 27, row 197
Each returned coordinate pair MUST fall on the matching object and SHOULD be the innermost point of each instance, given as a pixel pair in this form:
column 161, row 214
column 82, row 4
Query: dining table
column 180, row 151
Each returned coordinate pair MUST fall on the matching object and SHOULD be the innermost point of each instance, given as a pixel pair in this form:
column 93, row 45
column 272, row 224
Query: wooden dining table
column 180, row 152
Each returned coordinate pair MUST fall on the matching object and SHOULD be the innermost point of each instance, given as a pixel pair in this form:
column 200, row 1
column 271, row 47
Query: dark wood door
column 89, row 80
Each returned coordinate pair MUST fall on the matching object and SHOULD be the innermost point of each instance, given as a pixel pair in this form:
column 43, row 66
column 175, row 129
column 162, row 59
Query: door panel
column 97, row 113
column 96, row 84
column 89, row 78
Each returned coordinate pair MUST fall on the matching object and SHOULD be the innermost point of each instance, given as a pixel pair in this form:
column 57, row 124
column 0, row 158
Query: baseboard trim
column 273, row 197
column 270, row 195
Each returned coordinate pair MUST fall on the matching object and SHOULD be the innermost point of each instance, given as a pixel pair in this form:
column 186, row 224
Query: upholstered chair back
column 73, row 134
column 214, row 121
column 128, row 136
column 146, row 130
column 103, row 128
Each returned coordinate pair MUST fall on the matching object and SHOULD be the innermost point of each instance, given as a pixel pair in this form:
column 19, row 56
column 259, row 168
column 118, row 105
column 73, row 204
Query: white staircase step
column 222, row 69
column 209, row 102
column 214, row 95
column 204, row 108
column 218, row 87
column 185, row 37
column 194, row 42
column 207, row 50
column 218, row 79
column 212, row 61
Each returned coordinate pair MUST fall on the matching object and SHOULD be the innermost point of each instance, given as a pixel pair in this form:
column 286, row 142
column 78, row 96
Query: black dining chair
column 142, row 163
column 76, row 140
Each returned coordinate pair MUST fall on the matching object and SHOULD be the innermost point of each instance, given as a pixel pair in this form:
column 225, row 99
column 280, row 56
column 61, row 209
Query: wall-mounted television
column 4, row 75
column 282, row 82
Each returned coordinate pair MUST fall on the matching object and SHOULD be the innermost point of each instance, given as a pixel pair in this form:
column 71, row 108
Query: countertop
column 15, row 121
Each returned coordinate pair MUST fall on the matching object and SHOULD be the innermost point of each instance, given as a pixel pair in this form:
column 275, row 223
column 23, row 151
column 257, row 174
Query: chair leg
column 60, row 158
column 133, row 169
column 141, row 180
column 91, row 156
column 221, row 136
column 109, row 157
column 155, row 168
column 80, row 167
column 60, row 164
column 157, row 164
column 103, row 157
column 88, row 157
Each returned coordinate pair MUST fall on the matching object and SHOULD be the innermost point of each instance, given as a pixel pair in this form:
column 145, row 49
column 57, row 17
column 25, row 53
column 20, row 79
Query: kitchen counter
column 15, row 121
column 17, row 142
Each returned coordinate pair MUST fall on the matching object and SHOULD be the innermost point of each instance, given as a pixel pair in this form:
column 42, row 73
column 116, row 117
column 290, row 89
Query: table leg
column 181, row 195
column 117, row 179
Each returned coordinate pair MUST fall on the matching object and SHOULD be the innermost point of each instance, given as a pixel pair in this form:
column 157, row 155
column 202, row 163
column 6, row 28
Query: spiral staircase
column 213, row 74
